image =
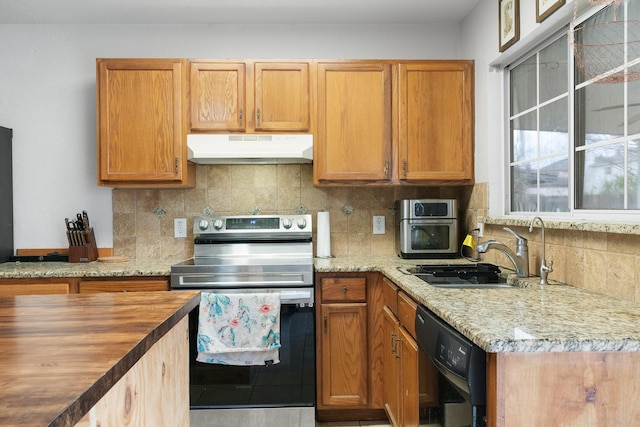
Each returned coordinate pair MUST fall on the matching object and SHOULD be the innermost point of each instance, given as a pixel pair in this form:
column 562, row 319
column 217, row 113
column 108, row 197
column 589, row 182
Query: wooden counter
column 61, row 354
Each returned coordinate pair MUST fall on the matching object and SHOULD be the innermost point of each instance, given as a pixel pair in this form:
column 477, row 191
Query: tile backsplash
column 608, row 263
column 143, row 218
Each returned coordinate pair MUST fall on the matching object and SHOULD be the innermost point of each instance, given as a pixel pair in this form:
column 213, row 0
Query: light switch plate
column 378, row 224
column 180, row 227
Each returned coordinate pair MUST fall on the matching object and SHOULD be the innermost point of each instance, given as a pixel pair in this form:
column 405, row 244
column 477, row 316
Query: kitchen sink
column 460, row 276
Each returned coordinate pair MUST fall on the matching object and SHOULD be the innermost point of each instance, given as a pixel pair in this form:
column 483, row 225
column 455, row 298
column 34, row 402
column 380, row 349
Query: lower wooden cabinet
column 342, row 331
column 410, row 379
column 74, row 285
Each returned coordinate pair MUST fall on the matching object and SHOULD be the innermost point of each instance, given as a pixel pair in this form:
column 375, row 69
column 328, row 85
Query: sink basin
column 503, row 285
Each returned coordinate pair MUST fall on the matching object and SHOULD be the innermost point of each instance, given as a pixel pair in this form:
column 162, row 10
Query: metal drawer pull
column 344, row 289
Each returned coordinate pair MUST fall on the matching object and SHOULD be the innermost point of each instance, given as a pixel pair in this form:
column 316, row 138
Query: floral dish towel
column 239, row 328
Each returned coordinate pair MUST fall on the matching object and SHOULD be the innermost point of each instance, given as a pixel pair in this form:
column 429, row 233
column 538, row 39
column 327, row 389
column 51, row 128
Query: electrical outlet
column 480, row 229
column 378, row 224
column 180, row 227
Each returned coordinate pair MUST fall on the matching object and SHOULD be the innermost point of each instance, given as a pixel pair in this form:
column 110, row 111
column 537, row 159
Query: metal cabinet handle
column 344, row 289
column 325, row 323
column 393, row 343
column 240, row 117
column 258, row 117
column 386, row 168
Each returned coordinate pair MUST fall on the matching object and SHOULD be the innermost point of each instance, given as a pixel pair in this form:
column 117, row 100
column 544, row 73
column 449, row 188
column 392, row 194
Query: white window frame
column 628, row 215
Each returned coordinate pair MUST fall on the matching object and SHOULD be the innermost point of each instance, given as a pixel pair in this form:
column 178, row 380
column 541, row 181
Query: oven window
column 288, row 383
column 429, row 237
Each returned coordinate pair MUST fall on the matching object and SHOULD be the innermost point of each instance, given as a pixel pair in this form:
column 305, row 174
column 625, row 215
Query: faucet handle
column 519, row 239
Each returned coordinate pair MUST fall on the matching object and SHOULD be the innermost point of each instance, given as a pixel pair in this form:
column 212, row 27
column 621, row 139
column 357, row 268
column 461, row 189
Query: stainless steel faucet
column 520, row 258
column 544, row 268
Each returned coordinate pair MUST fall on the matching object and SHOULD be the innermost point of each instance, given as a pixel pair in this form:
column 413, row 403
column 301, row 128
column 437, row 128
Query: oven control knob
column 203, row 224
column 302, row 223
column 217, row 224
column 286, row 223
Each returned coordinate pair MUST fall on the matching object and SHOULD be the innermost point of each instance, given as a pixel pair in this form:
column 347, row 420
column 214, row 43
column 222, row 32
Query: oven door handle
column 296, row 294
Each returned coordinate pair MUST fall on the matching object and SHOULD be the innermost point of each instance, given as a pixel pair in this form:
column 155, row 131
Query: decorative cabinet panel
column 249, row 97
column 141, row 106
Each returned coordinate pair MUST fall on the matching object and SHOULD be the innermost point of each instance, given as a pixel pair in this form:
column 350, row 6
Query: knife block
column 87, row 252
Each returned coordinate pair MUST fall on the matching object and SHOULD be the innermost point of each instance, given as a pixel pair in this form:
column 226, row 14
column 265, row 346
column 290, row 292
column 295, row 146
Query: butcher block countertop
column 61, row 353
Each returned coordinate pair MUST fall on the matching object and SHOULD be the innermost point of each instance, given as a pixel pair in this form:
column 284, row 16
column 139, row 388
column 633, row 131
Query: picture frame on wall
column 544, row 8
column 508, row 23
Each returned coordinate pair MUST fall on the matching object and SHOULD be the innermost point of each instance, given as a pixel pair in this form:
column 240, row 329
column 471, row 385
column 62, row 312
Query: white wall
column 479, row 41
column 47, row 95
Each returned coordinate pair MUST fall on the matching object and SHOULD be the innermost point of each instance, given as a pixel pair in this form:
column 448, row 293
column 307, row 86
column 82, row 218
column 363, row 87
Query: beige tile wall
column 143, row 222
column 608, row 263
column 143, row 219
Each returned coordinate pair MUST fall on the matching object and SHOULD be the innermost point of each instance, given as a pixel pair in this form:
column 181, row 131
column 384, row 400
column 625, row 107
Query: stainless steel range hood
column 249, row 149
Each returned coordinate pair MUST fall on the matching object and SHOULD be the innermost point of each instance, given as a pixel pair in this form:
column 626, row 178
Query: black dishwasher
column 462, row 365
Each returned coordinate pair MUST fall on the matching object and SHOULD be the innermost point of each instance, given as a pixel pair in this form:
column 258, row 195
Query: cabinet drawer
column 407, row 313
column 352, row 289
column 14, row 289
column 123, row 286
column 390, row 295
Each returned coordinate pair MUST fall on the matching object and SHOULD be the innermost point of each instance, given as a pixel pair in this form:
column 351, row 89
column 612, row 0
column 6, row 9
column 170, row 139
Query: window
column 575, row 141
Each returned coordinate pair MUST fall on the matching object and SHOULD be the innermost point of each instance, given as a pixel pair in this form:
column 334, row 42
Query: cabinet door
column 282, row 96
column 391, row 362
column 344, row 355
column 410, row 379
column 436, row 121
column 217, row 96
column 140, row 121
column 354, row 141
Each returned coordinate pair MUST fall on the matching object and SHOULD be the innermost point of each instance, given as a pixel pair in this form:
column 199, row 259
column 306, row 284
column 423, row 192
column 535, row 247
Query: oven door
column 428, row 238
column 290, row 383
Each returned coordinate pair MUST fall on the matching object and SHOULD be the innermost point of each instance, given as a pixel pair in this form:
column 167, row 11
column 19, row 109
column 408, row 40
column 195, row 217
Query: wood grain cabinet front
column 249, row 96
column 354, row 137
column 410, row 379
column 123, row 285
column 342, row 329
column 436, row 125
column 11, row 288
column 141, row 116
column 395, row 122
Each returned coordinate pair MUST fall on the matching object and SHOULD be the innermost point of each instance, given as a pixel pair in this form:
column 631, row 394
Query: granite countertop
column 526, row 318
column 61, row 353
column 34, row 270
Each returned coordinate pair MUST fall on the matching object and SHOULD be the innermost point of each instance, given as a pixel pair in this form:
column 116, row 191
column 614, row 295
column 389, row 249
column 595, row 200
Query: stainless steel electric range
column 251, row 254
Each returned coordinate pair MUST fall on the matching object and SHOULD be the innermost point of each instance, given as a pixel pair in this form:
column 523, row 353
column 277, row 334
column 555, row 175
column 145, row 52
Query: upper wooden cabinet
column 141, row 114
column 395, row 122
column 354, row 139
column 249, row 96
column 436, row 123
